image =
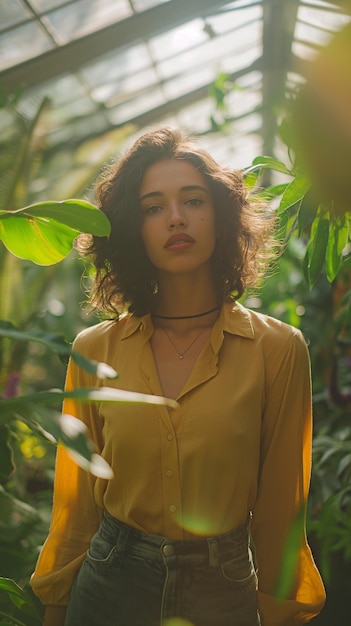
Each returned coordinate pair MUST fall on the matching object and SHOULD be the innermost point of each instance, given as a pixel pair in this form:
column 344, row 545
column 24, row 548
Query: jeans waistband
column 209, row 549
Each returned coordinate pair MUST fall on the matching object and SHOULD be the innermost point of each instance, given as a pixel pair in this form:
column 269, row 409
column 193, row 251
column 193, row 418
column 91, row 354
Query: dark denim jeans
column 132, row 579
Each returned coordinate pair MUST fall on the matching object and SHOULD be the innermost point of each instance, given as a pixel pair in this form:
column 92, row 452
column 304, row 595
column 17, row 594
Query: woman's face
column 178, row 218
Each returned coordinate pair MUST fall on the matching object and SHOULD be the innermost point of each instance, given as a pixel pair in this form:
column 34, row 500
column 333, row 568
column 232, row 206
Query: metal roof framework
column 124, row 65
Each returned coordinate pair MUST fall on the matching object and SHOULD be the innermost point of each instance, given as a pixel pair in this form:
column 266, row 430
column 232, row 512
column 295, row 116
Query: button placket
column 170, row 471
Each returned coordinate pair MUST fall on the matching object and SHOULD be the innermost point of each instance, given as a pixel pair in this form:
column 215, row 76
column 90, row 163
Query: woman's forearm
column 54, row 615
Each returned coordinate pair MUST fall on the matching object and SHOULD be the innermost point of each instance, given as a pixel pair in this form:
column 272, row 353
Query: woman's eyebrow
column 158, row 194
column 194, row 188
column 151, row 194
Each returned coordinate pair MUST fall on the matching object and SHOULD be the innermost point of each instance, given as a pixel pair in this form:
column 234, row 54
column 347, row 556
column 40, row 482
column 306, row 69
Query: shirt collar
column 234, row 319
column 134, row 323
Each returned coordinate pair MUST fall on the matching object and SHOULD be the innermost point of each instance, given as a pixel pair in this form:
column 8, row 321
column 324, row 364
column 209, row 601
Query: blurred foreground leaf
column 20, row 598
column 44, row 233
column 58, row 344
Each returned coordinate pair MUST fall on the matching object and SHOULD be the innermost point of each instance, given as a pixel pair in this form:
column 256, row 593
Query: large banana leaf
column 44, row 233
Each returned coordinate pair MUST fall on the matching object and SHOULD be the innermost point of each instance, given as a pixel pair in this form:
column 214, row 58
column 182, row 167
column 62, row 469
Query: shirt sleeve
column 75, row 515
column 285, row 468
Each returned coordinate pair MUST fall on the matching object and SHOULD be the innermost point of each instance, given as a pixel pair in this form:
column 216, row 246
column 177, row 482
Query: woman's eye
column 150, row 210
column 194, row 201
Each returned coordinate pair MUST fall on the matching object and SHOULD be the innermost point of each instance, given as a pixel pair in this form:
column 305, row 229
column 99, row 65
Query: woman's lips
column 179, row 241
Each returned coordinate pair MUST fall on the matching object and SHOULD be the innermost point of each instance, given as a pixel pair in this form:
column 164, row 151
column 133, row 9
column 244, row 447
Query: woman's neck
column 181, row 302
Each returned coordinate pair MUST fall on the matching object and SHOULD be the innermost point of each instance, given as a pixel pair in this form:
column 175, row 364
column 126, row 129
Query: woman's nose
column 177, row 216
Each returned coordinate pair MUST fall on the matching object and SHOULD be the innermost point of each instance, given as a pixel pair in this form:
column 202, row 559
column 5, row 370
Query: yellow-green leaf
column 44, row 233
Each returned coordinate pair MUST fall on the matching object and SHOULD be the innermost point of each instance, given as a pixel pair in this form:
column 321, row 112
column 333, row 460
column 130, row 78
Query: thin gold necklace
column 182, row 354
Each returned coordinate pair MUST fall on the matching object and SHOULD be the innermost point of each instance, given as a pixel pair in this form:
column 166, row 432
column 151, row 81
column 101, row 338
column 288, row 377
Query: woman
column 194, row 522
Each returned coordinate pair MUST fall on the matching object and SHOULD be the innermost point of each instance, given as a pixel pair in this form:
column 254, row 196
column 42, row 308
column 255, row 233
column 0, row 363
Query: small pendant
column 181, row 356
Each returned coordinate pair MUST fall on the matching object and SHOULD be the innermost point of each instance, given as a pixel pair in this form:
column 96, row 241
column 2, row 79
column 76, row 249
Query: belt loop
column 213, row 552
column 122, row 540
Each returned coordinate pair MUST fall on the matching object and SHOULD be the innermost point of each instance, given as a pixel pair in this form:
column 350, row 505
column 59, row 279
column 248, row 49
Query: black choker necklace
column 185, row 317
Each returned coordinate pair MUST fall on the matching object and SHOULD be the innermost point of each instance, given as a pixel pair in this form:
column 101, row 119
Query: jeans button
column 167, row 550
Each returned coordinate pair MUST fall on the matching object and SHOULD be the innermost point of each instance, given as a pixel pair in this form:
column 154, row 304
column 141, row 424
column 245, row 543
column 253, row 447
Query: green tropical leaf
column 251, row 179
column 338, row 238
column 77, row 214
column 318, row 248
column 43, row 243
column 73, row 434
column 287, row 225
column 20, row 598
column 274, row 191
column 58, row 344
column 66, row 429
column 24, row 406
column 264, row 162
column 308, row 210
column 15, row 592
column 44, row 233
column 294, row 193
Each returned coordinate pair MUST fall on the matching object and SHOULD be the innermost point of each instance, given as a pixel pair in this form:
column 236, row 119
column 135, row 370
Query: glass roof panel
column 196, row 116
column 177, row 40
column 187, row 82
column 46, row 5
column 304, row 51
column 12, row 12
column 86, row 16
column 142, row 5
column 116, row 64
column 230, row 19
column 136, row 106
column 325, row 14
column 241, row 50
column 309, row 32
column 320, row 18
column 251, row 123
column 76, row 108
column 22, row 43
column 251, row 79
column 233, row 149
column 317, row 22
column 60, row 91
column 241, row 102
column 125, row 87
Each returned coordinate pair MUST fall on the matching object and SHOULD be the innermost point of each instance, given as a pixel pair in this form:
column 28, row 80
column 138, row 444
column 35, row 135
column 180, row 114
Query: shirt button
column 170, row 437
column 172, row 508
column 167, row 550
column 169, row 473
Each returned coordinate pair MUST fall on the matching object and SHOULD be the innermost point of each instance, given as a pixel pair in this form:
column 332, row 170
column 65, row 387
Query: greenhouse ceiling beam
column 279, row 20
column 169, row 108
column 141, row 26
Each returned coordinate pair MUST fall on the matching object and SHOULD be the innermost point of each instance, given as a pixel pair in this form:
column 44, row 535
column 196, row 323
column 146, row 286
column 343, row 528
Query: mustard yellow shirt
column 239, row 441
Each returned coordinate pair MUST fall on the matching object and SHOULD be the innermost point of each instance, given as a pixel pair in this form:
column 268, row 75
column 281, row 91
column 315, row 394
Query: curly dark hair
column 124, row 276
